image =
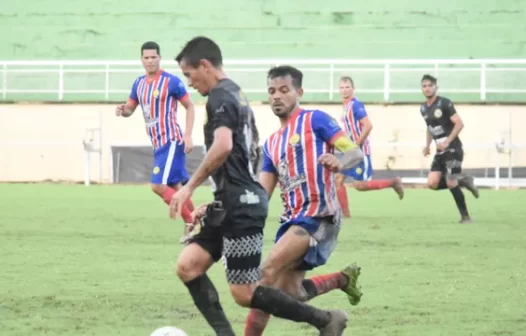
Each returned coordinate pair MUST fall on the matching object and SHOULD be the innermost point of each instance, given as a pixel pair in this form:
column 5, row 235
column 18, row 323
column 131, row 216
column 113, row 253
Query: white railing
column 385, row 80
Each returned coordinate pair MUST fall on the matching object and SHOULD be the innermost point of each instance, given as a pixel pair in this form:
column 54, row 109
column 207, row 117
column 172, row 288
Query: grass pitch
column 98, row 261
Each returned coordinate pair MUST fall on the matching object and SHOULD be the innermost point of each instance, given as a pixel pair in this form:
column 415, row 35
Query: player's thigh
column 292, row 243
column 202, row 250
column 453, row 162
column 326, row 238
column 169, row 165
column 364, row 171
column 435, row 173
column 242, row 249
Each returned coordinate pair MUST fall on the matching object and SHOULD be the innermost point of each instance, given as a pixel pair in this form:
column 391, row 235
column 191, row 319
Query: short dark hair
column 429, row 78
column 287, row 70
column 347, row 79
column 150, row 45
column 200, row 48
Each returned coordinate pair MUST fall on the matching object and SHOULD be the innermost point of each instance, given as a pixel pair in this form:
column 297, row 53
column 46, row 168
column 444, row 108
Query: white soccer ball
column 169, row 331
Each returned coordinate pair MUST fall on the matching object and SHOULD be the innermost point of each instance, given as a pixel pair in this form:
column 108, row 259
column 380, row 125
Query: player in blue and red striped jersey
column 158, row 92
column 358, row 126
column 300, row 158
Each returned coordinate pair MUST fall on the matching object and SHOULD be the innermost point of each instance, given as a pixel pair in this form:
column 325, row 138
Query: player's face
column 283, row 97
column 151, row 60
column 197, row 77
column 346, row 89
column 429, row 89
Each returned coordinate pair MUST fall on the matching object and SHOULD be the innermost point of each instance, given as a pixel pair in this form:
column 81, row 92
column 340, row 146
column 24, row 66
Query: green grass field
column 98, row 261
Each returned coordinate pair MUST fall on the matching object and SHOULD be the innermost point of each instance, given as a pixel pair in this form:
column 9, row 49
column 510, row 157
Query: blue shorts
column 324, row 235
column 169, row 164
column 362, row 172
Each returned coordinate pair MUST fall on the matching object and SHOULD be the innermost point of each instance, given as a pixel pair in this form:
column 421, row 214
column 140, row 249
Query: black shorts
column 236, row 236
column 449, row 162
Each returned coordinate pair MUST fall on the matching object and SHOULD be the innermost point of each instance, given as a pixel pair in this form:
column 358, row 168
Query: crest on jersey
column 156, row 170
column 359, row 171
column 294, row 139
column 155, row 93
column 438, row 113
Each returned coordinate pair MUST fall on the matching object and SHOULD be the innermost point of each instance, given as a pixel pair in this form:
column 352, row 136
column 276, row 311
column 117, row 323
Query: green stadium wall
column 103, row 29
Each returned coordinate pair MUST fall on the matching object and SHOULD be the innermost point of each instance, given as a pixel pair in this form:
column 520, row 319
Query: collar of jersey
column 151, row 80
column 293, row 116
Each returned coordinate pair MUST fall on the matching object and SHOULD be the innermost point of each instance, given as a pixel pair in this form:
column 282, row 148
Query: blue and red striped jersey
column 353, row 112
column 307, row 187
column 158, row 98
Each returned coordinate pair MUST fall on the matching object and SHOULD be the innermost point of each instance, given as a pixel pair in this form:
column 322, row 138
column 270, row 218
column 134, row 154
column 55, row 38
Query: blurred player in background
column 158, row 93
column 358, row 126
column 299, row 156
column 443, row 126
column 233, row 224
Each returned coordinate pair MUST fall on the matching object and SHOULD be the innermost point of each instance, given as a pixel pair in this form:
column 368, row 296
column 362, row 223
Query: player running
column 158, row 93
column 299, row 156
column 358, row 126
column 233, row 223
column 443, row 126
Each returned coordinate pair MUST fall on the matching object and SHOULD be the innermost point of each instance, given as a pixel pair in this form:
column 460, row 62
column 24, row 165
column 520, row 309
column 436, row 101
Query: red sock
column 167, row 198
column 379, row 184
column 327, row 282
column 257, row 320
column 344, row 201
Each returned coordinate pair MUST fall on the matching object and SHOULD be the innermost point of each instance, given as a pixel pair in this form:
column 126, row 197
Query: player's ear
column 205, row 64
column 299, row 92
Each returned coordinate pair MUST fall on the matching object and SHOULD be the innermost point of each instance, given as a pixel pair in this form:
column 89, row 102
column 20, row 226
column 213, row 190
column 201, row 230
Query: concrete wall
column 104, row 29
column 39, row 142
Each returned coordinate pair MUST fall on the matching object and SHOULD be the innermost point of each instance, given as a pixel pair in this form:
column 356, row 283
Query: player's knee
column 158, row 188
column 452, row 183
column 242, row 294
column 192, row 265
column 432, row 183
column 340, row 179
column 269, row 273
column 360, row 185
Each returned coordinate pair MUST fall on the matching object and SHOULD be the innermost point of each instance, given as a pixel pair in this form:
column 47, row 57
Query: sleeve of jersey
column 268, row 165
column 359, row 111
column 177, row 89
column 223, row 111
column 450, row 108
column 326, row 127
column 133, row 98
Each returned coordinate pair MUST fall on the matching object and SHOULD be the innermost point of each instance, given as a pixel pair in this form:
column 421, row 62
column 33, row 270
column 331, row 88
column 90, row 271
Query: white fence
column 379, row 80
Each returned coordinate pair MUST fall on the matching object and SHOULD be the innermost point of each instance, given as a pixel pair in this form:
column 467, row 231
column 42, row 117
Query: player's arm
column 224, row 121
column 268, row 177
column 455, row 119
column 429, row 138
column 178, row 91
column 361, row 115
column 126, row 110
column 329, row 130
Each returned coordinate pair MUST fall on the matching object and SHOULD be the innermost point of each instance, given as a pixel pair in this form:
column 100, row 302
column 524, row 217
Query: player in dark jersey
column 443, row 126
column 233, row 224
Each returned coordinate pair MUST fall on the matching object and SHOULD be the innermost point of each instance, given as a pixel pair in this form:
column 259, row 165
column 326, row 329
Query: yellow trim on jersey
column 344, row 144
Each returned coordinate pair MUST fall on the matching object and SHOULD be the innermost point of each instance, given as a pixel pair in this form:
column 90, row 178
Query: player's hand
column 198, row 213
column 188, row 143
column 426, row 151
column 330, row 162
column 443, row 145
column 119, row 110
column 178, row 200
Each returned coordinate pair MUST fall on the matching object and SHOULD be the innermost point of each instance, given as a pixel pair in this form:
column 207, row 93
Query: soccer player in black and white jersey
column 443, row 126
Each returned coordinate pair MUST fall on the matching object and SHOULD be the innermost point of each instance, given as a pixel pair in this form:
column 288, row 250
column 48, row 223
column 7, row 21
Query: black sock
column 206, row 300
column 460, row 200
column 278, row 303
column 310, row 289
column 442, row 184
